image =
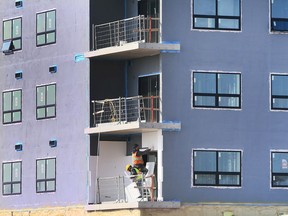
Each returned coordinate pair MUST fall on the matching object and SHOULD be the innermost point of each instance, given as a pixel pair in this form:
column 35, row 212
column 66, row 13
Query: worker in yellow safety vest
column 137, row 159
column 135, row 173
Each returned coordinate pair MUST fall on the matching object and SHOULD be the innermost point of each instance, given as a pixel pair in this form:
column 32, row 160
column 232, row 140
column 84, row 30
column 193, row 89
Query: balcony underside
column 133, row 50
column 133, row 127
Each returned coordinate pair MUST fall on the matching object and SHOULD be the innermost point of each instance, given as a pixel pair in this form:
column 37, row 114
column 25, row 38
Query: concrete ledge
column 133, row 205
column 133, row 127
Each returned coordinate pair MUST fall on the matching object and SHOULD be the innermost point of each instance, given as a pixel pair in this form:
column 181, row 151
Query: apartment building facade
column 203, row 83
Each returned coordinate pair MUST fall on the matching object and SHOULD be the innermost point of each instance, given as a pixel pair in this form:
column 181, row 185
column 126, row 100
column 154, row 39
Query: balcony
column 129, row 115
column 131, row 38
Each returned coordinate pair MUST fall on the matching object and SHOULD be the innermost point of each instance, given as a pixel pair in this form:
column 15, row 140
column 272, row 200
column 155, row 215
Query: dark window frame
column 12, row 182
column 45, row 32
column 274, row 174
column 45, row 180
column 45, row 106
column 12, row 111
column 277, row 96
column 218, row 173
column 217, row 17
column 217, row 95
column 12, row 39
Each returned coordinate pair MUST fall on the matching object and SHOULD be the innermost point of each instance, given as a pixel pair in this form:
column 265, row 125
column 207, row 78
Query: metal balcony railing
column 118, row 33
column 115, row 189
column 144, row 109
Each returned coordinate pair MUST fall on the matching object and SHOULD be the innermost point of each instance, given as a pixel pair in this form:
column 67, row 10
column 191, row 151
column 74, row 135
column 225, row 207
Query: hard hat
column 127, row 167
column 135, row 146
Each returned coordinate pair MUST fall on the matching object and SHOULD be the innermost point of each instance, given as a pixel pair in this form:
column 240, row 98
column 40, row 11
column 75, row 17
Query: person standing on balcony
column 137, row 159
column 135, row 173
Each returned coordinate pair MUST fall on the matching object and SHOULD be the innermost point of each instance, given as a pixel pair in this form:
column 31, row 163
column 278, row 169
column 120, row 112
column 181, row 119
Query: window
column 46, row 101
column 216, row 168
column 46, row 175
column 279, row 15
column 216, row 90
column 279, row 169
column 279, row 92
column 12, row 106
column 12, row 34
column 11, row 178
column 46, row 28
column 216, row 14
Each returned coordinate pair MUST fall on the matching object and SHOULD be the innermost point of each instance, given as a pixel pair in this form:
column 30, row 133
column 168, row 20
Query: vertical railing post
column 125, row 109
column 98, row 191
column 123, row 189
column 140, row 34
column 139, row 109
column 110, row 36
column 150, row 30
column 93, row 36
column 94, row 113
column 152, row 108
column 118, row 33
column 119, row 114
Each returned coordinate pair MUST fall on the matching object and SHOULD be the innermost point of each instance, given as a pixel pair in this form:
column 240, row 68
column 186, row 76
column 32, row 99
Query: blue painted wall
column 255, row 53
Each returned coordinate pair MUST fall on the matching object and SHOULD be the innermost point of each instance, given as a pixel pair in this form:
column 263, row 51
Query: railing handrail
column 118, row 184
column 117, row 33
column 130, row 109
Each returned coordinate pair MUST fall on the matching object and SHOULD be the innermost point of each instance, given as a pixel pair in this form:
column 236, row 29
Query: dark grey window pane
column 7, row 101
column 7, row 25
column 205, row 179
column 205, row 7
column 228, row 102
column 41, row 113
column 41, row 39
column 17, row 28
column 51, row 37
column 41, row 100
column 204, row 22
column 280, row 162
column 40, row 186
column 228, row 7
column 17, row 44
column 51, row 166
column 7, row 189
column 280, row 25
column 204, row 83
column 229, row 179
column 16, row 171
column 279, row 8
column 16, row 188
column 7, row 172
column 229, row 161
column 41, row 169
column 229, row 83
column 204, row 161
column 204, row 101
column 51, row 94
column 17, row 100
column 7, row 118
column 51, row 111
column 280, row 85
column 280, row 103
column 16, row 116
column 50, row 21
column 51, row 186
column 228, row 23
column 40, row 22
column 280, row 180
